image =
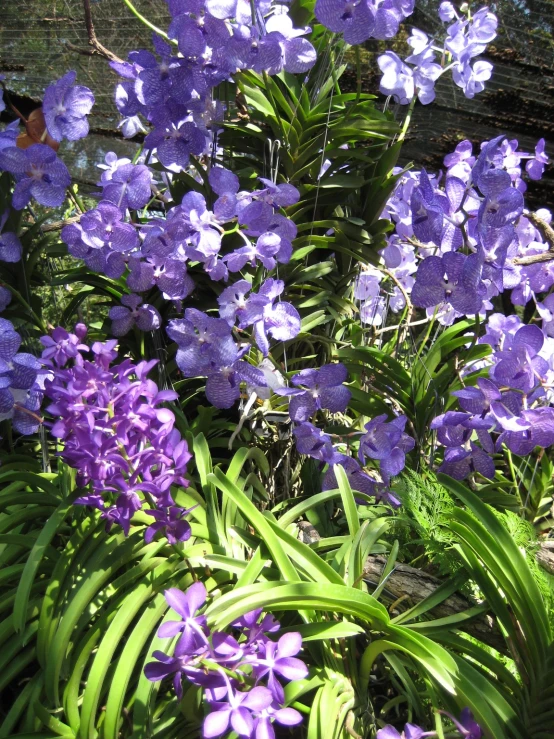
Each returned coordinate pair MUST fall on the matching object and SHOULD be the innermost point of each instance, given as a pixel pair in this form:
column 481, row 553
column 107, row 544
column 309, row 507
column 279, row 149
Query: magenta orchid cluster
column 466, row 38
column 241, row 673
column 116, row 432
column 465, row 727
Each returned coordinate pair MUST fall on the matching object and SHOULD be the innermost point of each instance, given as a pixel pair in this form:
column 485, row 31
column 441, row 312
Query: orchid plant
column 252, row 261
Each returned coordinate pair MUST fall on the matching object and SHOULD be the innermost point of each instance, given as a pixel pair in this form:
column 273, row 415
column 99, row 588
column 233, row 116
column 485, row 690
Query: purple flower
column 472, row 78
column 174, row 144
column 467, row 725
column 427, row 212
column 446, row 11
column 66, row 106
column 278, row 659
column 165, row 666
column 192, row 628
column 453, row 278
column 21, row 382
column 358, row 479
column 263, row 728
column 397, row 79
column 313, row 442
column 232, row 301
column 253, row 628
column 8, row 136
column 236, row 711
column 38, row 173
column 5, row 298
column 322, row 389
column 169, row 275
column 461, row 461
column 535, row 166
column 298, row 54
column 206, row 347
column 411, row 731
column 203, row 342
column 226, row 185
column 353, row 18
column 270, row 248
column 104, row 226
column 127, row 185
column 10, row 247
column 224, row 380
column 521, row 367
column 62, row 346
column 540, row 432
column 387, row 442
column 133, row 312
column 280, row 321
column 171, row 522
column 117, row 436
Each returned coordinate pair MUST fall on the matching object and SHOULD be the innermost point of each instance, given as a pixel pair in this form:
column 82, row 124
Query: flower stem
column 144, row 20
column 407, row 120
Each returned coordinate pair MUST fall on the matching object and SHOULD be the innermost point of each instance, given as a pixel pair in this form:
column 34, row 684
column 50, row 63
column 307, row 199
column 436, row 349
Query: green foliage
column 81, row 608
column 426, row 512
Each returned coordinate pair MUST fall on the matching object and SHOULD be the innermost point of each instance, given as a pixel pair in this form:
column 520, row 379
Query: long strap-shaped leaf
column 258, row 521
column 492, row 543
column 33, row 562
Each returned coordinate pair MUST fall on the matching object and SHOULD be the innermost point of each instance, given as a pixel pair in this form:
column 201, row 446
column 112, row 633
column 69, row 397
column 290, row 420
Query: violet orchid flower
column 65, row 107
column 133, row 312
column 39, row 174
column 322, row 389
column 280, row 321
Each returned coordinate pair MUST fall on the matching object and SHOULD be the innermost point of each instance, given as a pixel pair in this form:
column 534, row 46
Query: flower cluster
column 208, row 42
column 466, row 726
column 116, row 432
column 461, row 240
column 512, row 403
column 158, row 252
column 21, row 382
column 230, row 668
column 360, row 20
column 279, row 321
column 206, row 347
column 466, row 38
column 324, row 389
column 37, row 170
column 384, row 442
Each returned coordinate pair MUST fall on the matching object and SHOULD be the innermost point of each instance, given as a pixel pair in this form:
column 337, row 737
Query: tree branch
column 98, row 49
column 547, row 232
column 409, row 585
